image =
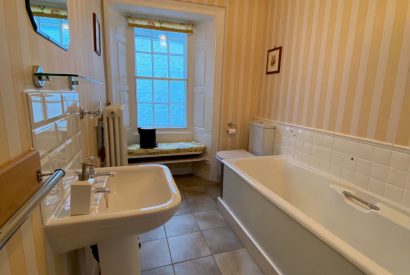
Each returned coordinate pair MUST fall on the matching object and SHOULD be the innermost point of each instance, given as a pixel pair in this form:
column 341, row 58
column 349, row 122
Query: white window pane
column 177, row 36
column 161, row 114
column 176, row 47
column 143, row 64
column 160, row 42
column 178, row 115
column 145, row 115
column 160, row 46
column 53, row 110
column 178, row 91
column 161, row 91
column 161, row 103
column 65, row 33
column 160, row 65
column 37, row 107
column 157, row 34
column 53, row 106
column 177, row 64
column 143, row 32
column 144, row 91
column 143, row 44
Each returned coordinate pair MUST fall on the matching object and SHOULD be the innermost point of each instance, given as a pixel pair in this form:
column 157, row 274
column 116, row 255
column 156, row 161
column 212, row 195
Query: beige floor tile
column 188, row 247
column 183, row 209
column 184, row 178
column 237, row 262
column 194, row 190
column 154, row 254
column 213, row 190
column 165, row 270
column 155, row 234
column 201, row 203
column 221, row 239
column 181, row 224
column 209, row 219
column 187, row 180
column 192, row 185
column 201, row 266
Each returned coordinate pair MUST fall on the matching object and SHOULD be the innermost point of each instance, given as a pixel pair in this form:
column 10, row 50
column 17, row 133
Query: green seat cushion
column 168, row 149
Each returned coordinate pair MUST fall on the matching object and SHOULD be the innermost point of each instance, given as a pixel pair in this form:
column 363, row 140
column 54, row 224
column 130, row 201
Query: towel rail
column 18, row 218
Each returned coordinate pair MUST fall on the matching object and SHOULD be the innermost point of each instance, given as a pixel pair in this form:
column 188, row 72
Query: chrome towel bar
column 18, row 218
column 353, row 197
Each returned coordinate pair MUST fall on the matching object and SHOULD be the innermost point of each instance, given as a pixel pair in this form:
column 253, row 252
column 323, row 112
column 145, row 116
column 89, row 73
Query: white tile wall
column 56, row 134
column 377, row 167
column 55, row 126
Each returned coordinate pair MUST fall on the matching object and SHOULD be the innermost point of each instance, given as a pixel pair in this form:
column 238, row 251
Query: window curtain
column 159, row 25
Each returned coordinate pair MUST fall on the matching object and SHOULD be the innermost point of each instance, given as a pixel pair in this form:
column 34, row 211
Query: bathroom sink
column 142, row 198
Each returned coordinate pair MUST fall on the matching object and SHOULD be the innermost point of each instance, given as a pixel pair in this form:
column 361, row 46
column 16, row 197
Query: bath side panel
column 293, row 248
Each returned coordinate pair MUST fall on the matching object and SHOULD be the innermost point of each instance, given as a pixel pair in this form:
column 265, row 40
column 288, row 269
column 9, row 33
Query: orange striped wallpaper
column 345, row 67
column 243, row 64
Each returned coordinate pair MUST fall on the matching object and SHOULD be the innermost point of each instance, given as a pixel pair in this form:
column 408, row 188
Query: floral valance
column 49, row 12
column 159, row 25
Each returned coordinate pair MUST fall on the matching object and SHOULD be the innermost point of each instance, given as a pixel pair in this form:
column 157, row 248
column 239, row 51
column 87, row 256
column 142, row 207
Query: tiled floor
column 197, row 240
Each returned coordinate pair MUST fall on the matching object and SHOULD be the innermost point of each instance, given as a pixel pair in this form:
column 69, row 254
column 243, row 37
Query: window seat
column 169, row 152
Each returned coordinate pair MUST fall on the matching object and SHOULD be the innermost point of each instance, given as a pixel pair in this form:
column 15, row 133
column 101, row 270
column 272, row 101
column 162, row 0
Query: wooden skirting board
column 18, row 182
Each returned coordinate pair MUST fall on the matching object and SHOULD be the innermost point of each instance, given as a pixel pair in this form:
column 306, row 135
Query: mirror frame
column 35, row 27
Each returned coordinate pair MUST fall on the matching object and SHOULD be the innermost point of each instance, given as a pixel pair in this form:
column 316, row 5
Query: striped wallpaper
column 243, row 65
column 345, row 67
column 20, row 48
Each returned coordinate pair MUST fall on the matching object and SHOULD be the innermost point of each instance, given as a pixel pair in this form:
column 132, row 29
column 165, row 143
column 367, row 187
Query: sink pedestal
column 119, row 256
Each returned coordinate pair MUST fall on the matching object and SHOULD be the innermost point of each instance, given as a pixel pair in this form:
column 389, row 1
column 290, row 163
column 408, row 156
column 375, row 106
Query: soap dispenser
column 80, row 200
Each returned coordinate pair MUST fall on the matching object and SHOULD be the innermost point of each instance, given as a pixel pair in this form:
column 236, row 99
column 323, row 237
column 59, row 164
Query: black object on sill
column 94, row 251
column 148, row 139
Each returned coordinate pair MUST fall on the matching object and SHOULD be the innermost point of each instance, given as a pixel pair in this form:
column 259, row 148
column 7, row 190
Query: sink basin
column 142, row 198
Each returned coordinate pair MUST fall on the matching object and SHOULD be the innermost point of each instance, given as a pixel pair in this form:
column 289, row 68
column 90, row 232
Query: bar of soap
column 80, row 200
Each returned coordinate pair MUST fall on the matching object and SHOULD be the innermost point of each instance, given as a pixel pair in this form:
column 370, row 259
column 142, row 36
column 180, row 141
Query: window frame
column 188, row 105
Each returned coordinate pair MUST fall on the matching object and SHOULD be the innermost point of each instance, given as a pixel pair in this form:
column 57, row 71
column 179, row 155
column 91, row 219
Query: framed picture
column 273, row 62
column 97, row 34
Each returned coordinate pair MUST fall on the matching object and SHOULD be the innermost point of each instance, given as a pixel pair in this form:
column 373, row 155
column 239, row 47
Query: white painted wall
column 203, row 81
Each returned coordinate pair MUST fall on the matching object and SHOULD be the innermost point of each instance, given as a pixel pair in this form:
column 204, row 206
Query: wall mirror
column 50, row 19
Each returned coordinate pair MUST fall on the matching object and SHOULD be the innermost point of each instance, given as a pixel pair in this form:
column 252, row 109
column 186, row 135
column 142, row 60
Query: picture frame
column 273, row 60
column 97, row 34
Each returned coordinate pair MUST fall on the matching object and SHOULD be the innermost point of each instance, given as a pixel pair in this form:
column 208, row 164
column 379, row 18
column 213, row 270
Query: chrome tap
column 105, row 191
column 84, row 174
column 88, row 172
column 94, row 174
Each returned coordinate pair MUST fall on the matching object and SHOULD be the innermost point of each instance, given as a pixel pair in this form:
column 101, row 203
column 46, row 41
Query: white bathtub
column 301, row 222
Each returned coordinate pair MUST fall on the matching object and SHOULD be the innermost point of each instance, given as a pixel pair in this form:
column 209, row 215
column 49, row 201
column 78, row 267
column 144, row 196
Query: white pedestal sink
column 142, row 198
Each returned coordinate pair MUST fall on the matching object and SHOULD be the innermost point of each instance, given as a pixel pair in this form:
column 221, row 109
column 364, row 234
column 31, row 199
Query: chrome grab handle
column 353, row 197
column 18, row 218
